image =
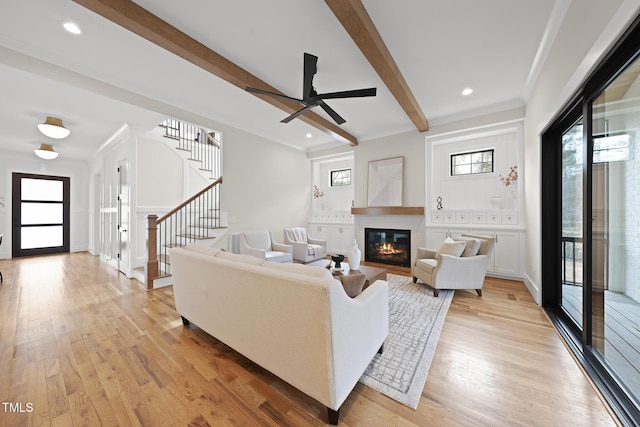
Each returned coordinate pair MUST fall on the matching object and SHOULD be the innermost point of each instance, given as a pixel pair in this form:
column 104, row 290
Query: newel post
column 152, row 250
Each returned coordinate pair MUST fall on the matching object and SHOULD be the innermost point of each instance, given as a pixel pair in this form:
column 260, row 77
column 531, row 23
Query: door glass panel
column 41, row 213
column 41, row 189
column 615, row 287
column 41, row 237
column 572, row 261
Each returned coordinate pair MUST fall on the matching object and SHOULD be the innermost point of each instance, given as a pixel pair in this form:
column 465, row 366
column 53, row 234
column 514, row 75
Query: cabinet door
column 318, row 231
column 507, row 260
column 347, row 236
column 340, row 238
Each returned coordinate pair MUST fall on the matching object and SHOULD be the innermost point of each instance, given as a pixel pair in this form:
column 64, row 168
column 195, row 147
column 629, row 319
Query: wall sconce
column 46, row 152
column 53, row 128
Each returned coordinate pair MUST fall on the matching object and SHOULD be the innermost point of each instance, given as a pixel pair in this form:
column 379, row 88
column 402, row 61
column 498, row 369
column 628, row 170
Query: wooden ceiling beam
column 354, row 18
column 140, row 21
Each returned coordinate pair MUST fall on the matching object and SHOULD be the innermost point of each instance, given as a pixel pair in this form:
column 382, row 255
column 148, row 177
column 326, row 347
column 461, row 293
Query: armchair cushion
column 259, row 244
column 427, row 265
column 451, row 247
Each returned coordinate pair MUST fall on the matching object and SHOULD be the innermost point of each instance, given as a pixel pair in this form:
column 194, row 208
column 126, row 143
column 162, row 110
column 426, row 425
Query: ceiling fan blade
column 296, row 114
column 277, row 95
column 330, row 111
column 358, row 93
column 310, row 62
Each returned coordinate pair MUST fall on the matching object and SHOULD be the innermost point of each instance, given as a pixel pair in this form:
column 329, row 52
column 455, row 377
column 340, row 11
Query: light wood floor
column 85, row 346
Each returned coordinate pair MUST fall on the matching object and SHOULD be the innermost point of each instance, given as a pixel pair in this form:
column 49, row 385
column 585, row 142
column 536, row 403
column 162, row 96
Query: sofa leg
column 381, row 349
column 185, row 321
column 479, row 291
column 436, row 292
column 333, row 416
column 415, row 280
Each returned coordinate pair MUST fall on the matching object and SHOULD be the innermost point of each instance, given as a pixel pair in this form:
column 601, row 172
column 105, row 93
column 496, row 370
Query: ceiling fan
column 310, row 98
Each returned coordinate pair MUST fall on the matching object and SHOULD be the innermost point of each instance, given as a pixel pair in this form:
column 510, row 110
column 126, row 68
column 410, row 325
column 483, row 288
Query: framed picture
column 384, row 185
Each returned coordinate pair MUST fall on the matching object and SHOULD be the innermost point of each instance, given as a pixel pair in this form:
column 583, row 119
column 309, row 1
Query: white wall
column 589, row 27
column 266, row 186
column 335, row 198
column 77, row 171
column 473, row 192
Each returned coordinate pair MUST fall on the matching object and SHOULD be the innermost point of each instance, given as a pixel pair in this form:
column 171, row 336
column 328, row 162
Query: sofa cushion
column 276, row 256
column 246, row 259
column 307, row 270
column 451, row 247
column 472, row 246
column 427, row 264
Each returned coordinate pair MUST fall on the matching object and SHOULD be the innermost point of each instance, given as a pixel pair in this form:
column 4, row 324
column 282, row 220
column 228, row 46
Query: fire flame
column 388, row 249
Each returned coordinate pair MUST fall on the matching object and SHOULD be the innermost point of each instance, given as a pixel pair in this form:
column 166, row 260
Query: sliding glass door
column 572, row 225
column 591, row 225
column 615, row 227
column 40, row 212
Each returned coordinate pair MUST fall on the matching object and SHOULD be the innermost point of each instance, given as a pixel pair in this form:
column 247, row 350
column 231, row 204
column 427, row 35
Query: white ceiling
column 106, row 77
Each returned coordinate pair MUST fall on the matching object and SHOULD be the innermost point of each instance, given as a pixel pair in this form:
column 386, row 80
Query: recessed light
column 309, row 135
column 467, row 91
column 72, row 28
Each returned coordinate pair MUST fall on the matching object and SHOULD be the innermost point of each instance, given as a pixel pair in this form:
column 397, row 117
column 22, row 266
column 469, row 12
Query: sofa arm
column 282, row 248
column 360, row 326
column 319, row 242
column 300, row 250
column 424, row 253
column 466, row 272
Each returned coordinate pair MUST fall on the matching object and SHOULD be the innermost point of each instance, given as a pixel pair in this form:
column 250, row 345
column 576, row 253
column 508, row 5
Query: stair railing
column 186, row 223
column 201, row 144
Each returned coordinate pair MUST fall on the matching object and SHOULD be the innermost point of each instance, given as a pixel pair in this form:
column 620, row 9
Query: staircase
column 201, row 147
column 197, row 219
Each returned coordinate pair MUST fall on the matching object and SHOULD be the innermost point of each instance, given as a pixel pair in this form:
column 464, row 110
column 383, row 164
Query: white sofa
column 294, row 320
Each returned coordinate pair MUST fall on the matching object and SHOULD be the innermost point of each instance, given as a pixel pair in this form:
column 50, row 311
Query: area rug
column 415, row 321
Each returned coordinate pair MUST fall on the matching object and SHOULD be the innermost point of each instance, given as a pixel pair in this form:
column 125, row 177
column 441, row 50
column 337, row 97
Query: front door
column 40, row 214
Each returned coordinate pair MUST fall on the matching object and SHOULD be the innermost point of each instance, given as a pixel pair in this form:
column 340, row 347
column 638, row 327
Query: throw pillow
column 471, row 246
column 450, row 247
column 353, row 284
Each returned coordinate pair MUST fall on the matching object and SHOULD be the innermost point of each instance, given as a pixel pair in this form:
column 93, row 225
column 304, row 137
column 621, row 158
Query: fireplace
column 388, row 246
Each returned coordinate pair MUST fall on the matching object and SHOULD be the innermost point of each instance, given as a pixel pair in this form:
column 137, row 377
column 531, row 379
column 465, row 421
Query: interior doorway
column 40, row 214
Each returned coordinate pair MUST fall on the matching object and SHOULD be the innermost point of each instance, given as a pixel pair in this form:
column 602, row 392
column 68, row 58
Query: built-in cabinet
column 507, row 258
column 331, row 202
column 334, row 227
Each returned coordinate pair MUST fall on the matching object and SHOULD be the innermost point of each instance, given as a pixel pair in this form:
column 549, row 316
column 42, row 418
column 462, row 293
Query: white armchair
column 305, row 247
column 447, row 269
column 261, row 245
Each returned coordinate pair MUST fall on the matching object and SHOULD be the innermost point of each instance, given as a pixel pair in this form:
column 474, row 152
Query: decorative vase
column 354, row 256
column 337, row 259
column 508, row 201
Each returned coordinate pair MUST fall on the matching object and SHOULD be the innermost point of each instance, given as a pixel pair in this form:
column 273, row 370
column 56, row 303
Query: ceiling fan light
column 46, row 152
column 53, row 128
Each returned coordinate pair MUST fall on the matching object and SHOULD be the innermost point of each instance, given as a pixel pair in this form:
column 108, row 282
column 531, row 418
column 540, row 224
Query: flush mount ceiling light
column 53, row 128
column 468, row 91
column 46, row 152
column 72, row 28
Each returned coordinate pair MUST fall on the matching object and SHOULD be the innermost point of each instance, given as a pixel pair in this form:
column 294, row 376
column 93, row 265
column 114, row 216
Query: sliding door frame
column 622, row 54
